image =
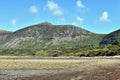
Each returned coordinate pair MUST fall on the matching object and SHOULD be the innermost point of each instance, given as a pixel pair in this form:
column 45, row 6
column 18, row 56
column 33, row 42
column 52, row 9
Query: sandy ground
column 78, row 69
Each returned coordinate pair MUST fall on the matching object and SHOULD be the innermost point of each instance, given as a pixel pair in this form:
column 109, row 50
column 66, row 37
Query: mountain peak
column 46, row 23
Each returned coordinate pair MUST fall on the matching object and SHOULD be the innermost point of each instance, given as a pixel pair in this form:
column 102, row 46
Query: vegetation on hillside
column 108, row 50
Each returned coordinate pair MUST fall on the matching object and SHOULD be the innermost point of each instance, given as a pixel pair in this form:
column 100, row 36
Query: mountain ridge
column 48, row 36
column 111, row 38
column 46, row 39
column 45, row 35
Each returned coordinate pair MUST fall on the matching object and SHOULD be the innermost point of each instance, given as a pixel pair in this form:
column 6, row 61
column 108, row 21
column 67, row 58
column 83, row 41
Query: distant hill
column 111, row 38
column 4, row 32
column 3, row 35
column 48, row 36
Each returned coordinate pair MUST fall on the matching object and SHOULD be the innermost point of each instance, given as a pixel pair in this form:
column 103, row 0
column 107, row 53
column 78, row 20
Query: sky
column 98, row 16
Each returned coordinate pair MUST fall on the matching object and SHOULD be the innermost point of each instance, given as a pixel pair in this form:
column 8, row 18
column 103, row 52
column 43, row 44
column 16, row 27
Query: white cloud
column 104, row 17
column 58, row 12
column 80, row 19
column 80, row 4
column 13, row 22
column 52, row 6
column 33, row 9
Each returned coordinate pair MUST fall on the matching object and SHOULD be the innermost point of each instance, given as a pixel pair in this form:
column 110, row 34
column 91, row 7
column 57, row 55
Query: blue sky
column 98, row 16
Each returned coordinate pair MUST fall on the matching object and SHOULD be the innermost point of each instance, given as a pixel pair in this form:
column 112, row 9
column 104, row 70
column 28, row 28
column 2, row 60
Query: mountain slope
column 49, row 36
column 111, row 38
column 3, row 32
column 3, row 35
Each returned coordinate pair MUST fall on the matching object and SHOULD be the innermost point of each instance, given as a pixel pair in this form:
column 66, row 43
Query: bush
column 55, row 55
column 82, row 55
column 111, row 53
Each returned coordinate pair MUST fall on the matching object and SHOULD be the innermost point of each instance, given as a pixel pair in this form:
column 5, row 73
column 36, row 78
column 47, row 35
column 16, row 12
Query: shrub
column 55, row 55
column 82, row 55
column 111, row 53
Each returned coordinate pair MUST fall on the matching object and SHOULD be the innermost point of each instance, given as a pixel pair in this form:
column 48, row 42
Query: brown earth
column 102, row 73
column 96, row 68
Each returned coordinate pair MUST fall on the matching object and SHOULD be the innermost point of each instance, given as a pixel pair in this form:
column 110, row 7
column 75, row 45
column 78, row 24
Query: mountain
column 3, row 35
column 48, row 36
column 2, row 32
column 111, row 38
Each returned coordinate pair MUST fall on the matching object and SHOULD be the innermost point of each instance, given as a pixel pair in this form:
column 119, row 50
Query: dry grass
column 67, row 69
column 39, row 64
column 52, row 64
